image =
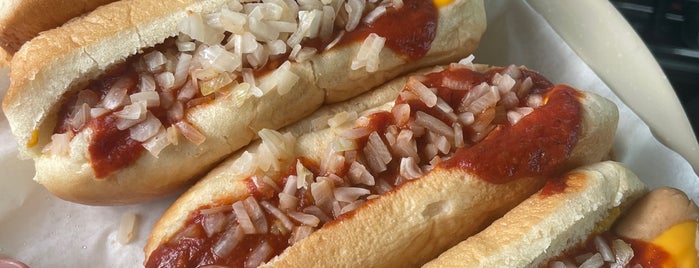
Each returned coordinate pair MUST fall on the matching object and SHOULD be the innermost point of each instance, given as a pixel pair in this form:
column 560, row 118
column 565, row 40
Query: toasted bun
column 57, row 63
column 20, row 21
column 407, row 226
column 543, row 226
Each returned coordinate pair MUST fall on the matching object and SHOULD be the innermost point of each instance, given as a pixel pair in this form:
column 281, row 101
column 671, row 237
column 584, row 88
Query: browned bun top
column 22, row 20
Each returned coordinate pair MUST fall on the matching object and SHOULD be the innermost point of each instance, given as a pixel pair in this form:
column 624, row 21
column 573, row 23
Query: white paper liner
column 44, row 231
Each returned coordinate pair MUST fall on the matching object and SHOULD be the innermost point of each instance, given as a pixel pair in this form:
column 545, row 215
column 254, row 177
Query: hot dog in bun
column 139, row 97
column 596, row 216
column 430, row 159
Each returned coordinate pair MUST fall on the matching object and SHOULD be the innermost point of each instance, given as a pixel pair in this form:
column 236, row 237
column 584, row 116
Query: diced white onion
column 241, row 214
column 303, row 218
column 257, row 216
column 165, row 80
column 368, row 54
column 350, row 194
column 228, row 241
column 354, row 11
column 360, row 175
column 604, row 249
column 157, row 143
column 115, row 98
column 595, row 261
column 127, row 226
column 190, row 132
column 258, row 255
column 286, row 222
column 299, row 233
column 322, row 193
column 146, row 129
column 213, row 223
column 623, row 253
column 409, row 168
column 151, row 98
column 154, row 60
column 434, row 124
column 425, row 94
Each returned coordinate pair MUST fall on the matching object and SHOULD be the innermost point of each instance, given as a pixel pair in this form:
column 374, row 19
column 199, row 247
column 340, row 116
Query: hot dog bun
column 571, row 226
column 543, row 226
column 20, row 21
column 57, row 64
column 406, row 226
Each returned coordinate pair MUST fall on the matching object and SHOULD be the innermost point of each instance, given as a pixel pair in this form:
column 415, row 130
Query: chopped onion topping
column 303, row 218
column 350, row 194
column 433, row 124
column 191, row 133
column 127, row 226
column 229, row 240
column 243, row 218
column 146, row 129
column 425, row 94
column 368, row 54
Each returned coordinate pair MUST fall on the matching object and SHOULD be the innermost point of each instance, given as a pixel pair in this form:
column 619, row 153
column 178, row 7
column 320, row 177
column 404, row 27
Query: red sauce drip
column 110, row 148
column 553, row 186
column 649, row 255
column 409, row 31
column 535, row 146
column 644, row 253
column 197, row 249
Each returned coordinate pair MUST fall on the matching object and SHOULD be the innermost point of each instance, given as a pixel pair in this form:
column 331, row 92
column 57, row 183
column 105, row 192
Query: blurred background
column 670, row 29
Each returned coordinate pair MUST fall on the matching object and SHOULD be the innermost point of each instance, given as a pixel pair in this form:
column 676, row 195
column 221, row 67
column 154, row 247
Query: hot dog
column 596, row 216
column 431, row 159
column 113, row 109
column 20, row 21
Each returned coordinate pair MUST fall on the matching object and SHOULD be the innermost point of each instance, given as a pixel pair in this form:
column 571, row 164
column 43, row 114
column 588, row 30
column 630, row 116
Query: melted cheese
column 679, row 241
column 441, row 3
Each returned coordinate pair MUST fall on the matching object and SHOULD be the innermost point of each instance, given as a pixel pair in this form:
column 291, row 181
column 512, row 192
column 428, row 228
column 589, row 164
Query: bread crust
column 58, row 62
column 541, row 228
column 23, row 20
column 426, row 215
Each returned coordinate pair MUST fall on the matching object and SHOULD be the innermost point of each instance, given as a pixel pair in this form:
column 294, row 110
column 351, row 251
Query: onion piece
column 604, row 249
column 190, row 132
column 368, row 53
column 213, row 223
column 434, row 124
column 322, row 193
column 360, row 175
column 257, row 216
column 299, row 233
column 425, row 94
column 157, row 143
column 287, row 202
column 409, row 168
column 151, row 98
column 258, row 255
column 623, row 253
column 593, row 262
column 241, row 214
column 271, row 209
column 146, row 129
column 114, row 98
column 350, row 194
column 303, row 176
column 303, row 218
column 228, row 241
column 80, row 116
column 154, row 60
column 127, row 227
column 354, row 13
column 376, row 153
